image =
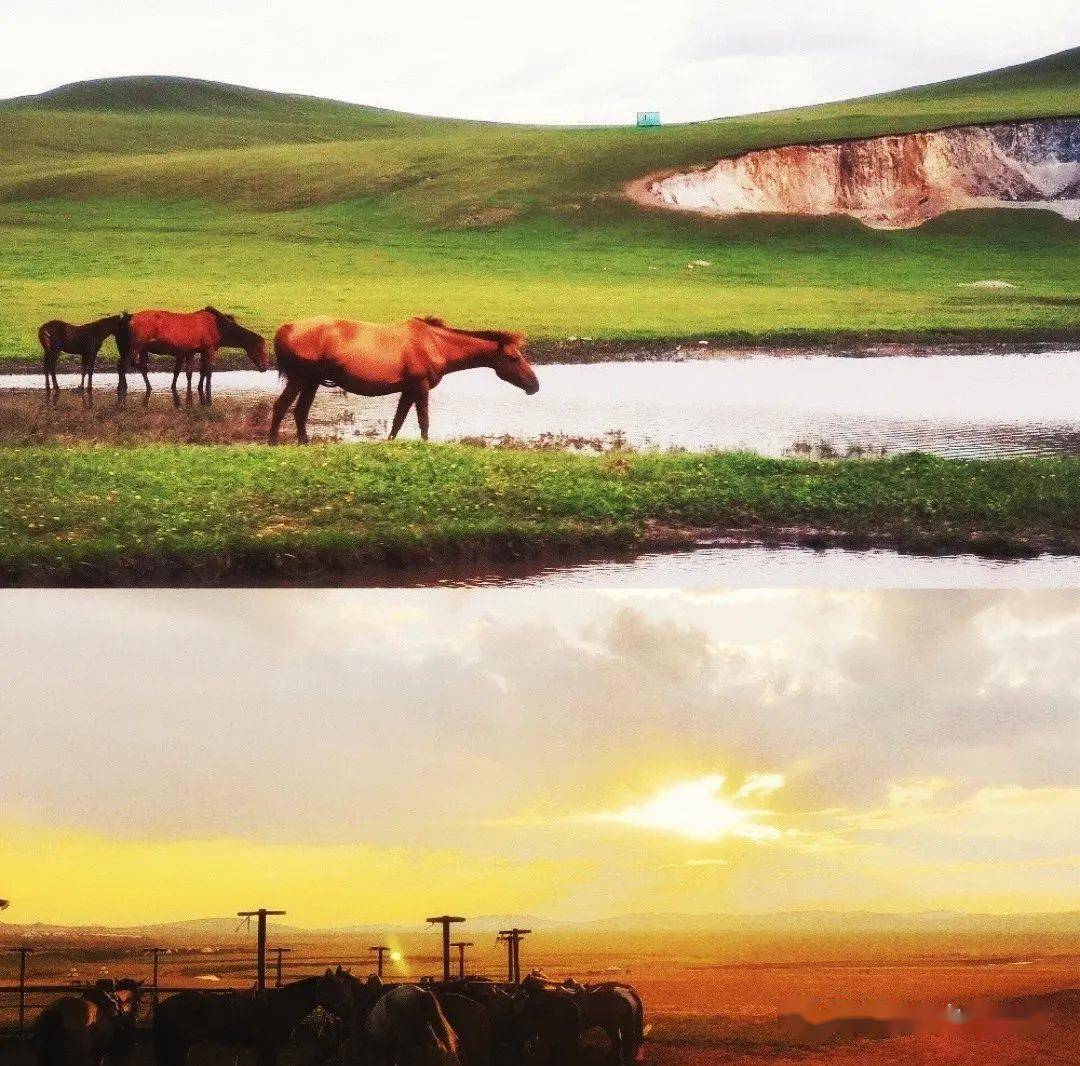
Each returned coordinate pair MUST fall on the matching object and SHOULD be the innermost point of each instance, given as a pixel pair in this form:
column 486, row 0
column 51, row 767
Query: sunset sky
column 560, row 61
column 381, row 756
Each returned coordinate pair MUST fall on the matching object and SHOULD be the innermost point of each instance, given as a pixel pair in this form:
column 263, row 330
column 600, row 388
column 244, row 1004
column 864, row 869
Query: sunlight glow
column 699, row 811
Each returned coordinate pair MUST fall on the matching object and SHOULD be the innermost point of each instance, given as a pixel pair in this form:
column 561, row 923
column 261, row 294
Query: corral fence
column 21, row 1004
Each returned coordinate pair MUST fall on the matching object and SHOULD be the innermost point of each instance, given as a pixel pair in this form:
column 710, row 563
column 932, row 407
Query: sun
column 699, row 810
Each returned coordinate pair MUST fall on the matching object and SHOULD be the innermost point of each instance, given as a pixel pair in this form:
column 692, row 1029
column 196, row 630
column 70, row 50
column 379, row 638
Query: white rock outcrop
column 889, row 182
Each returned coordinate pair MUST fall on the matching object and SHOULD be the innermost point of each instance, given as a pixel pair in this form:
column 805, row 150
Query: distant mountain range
column 795, row 923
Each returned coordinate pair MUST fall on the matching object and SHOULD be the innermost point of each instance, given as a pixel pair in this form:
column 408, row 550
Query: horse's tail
column 294, row 367
column 289, row 365
column 444, row 1042
column 47, row 337
column 49, row 1038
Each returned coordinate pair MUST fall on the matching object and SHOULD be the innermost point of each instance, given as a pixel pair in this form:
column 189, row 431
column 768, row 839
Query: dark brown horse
column 376, row 360
column 185, row 335
column 85, row 341
column 84, row 1030
column 263, row 1021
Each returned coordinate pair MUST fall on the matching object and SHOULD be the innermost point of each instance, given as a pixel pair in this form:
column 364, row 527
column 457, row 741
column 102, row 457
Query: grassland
column 191, row 514
column 151, row 192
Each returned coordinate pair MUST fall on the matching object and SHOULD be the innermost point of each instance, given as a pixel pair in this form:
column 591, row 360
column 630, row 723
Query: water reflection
column 952, row 405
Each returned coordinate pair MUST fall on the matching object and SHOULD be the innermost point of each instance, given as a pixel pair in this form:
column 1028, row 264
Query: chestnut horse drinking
column 376, row 360
column 85, row 341
column 185, row 335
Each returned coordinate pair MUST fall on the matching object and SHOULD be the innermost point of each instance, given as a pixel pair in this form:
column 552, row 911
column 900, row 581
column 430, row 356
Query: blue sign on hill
column 648, row 118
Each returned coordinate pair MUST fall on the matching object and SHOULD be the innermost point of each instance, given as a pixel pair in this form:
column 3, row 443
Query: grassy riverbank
column 162, row 192
column 238, row 514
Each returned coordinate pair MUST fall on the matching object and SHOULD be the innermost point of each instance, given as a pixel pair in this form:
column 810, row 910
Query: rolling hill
column 156, row 191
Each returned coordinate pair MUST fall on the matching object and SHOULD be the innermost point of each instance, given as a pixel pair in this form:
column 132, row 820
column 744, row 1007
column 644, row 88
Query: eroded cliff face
column 890, row 182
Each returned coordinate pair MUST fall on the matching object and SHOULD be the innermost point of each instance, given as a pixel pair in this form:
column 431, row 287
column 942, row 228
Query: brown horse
column 376, row 360
column 84, row 341
column 185, row 335
column 82, row 1030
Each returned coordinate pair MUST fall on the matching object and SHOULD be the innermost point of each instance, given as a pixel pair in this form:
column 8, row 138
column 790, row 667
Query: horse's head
column 512, row 366
column 335, row 992
column 233, row 335
column 236, row 336
column 258, row 353
column 126, row 993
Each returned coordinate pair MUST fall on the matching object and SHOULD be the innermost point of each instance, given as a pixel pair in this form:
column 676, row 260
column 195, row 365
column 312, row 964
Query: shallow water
column 952, row 405
column 789, row 567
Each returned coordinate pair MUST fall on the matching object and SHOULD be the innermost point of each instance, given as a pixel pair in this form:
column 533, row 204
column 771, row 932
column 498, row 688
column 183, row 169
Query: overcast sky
column 561, row 61
column 568, row 755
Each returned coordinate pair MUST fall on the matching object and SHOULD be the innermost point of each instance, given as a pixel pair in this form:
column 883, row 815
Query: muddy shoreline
column 586, row 350
column 300, row 568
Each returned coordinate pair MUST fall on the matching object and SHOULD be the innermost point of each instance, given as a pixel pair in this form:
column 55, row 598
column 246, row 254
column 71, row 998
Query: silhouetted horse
column 498, row 1003
column 616, row 1009
column 547, row 1023
column 377, row 360
column 263, row 1021
column 83, row 1030
column 185, row 335
column 407, row 1027
column 471, row 1025
column 57, row 337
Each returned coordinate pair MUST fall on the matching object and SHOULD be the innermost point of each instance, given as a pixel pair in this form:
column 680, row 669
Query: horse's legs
column 189, row 369
column 281, row 407
column 303, row 405
column 50, row 358
column 403, row 407
column 129, row 357
column 422, row 411
column 206, row 371
column 178, row 362
column 88, row 364
column 144, row 362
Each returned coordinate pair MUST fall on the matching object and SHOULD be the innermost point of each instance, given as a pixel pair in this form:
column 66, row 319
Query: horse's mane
column 496, row 336
column 230, row 323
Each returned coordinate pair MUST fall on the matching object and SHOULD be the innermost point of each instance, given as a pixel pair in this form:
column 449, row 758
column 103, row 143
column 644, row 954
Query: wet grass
column 240, row 514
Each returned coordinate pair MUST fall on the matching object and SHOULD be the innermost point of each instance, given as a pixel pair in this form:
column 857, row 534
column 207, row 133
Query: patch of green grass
column 192, row 513
column 618, row 276
column 145, row 192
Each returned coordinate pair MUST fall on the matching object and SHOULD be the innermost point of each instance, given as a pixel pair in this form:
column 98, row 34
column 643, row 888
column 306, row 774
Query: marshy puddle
column 964, row 406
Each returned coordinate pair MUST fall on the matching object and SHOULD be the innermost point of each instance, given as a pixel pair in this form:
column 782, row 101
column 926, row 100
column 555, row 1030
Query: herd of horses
column 366, row 358
column 338, row 1017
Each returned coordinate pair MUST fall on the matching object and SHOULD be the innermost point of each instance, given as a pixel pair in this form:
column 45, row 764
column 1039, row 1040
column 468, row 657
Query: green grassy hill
column 174, row 192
